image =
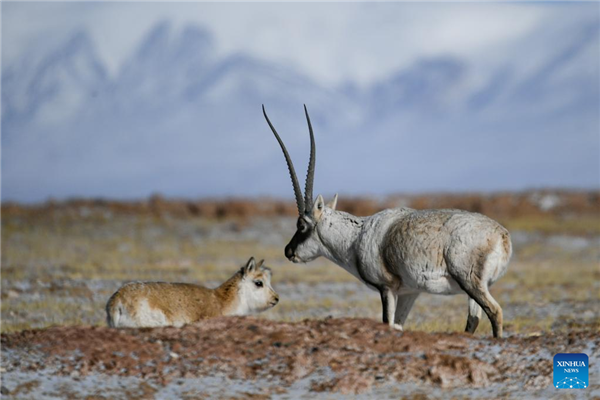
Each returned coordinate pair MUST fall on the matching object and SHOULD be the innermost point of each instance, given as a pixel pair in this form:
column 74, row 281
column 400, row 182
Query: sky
column 506, row 87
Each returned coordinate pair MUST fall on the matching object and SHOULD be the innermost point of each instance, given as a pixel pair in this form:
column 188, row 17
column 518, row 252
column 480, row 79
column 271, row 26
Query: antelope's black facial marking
column 304, row 228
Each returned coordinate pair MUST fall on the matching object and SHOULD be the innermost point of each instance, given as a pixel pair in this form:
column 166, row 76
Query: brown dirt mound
column 360, row 353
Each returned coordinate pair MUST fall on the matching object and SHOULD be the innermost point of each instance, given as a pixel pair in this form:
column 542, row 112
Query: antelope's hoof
column 397, row 327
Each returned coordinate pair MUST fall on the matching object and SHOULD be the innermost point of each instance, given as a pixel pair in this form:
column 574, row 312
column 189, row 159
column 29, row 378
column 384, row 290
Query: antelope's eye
column 258, row 283
column 302, row 226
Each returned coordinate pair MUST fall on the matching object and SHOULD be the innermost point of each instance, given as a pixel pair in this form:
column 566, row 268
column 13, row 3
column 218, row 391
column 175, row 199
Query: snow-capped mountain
column 180, row 119
column 51, row 90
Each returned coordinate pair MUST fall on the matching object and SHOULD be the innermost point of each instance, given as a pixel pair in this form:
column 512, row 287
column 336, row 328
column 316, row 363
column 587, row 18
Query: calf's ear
column 267, row 272
column 250, row 266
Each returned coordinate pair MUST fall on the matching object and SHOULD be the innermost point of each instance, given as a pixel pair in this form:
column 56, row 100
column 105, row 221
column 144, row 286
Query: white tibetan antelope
column 403, row 252
column 151, row 304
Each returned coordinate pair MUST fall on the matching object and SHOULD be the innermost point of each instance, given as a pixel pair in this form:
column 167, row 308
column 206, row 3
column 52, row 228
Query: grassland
column 60, row 265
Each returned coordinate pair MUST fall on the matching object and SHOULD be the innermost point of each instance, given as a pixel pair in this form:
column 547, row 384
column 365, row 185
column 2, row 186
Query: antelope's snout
column 289, row 252
column 275, row 300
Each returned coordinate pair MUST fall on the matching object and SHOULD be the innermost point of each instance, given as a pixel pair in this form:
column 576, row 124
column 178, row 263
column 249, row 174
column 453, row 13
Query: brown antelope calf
column 151, row 304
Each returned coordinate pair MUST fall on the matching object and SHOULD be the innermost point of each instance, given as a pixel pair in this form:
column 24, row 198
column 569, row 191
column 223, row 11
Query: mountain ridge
column 173, row 103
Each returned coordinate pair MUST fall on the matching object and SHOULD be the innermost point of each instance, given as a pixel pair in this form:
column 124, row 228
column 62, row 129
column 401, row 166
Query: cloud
column 332, row 42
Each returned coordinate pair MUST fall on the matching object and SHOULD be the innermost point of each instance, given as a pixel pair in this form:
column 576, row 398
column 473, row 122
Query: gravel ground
column 248, row 357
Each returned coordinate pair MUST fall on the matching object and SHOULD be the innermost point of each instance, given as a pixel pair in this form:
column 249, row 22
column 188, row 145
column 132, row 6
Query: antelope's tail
column 114, row 311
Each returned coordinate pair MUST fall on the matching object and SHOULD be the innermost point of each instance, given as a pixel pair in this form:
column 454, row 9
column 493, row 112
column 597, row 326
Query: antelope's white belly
column 143, row 316
column 429, row 282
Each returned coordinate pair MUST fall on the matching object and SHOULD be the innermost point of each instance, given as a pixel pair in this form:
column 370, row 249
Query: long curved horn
column 288, row 160
column 310, row 174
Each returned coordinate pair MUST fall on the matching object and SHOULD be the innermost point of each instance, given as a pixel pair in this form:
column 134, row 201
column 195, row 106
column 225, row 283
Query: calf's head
column 255, row 288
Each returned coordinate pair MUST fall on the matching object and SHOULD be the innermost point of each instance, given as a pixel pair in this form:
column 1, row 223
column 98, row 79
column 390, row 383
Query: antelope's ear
column 260, row 263
column 318, row 208
column 267, row 272
column 333, row 203
column 250, row 266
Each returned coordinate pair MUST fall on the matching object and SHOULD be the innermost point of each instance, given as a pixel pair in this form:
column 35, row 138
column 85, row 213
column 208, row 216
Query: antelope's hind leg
column 472, row 277
column 481, row 294
column 474, row 316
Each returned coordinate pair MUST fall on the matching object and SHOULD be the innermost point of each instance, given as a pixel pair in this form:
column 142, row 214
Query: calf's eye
column 258, row 283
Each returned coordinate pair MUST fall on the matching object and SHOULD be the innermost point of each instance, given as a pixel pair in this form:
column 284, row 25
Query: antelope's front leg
column 388, row 301
column 404, row 303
